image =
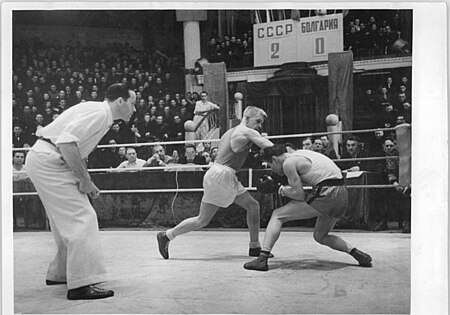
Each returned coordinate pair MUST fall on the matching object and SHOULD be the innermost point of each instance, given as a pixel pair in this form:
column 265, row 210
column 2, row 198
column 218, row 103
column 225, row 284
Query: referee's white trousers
column 73, row 220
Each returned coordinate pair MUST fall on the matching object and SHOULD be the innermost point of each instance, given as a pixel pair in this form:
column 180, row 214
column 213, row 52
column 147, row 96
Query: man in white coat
column 57, row 168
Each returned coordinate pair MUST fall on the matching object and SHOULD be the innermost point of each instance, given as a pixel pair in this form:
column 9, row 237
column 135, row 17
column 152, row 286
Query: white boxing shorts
column 221, row 186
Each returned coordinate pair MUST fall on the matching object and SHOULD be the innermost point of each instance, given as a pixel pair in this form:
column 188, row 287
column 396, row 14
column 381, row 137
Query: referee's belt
column 47, row 140
column 331, row 182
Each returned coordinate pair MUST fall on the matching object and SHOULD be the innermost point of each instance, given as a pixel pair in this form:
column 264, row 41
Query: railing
column 212, row 119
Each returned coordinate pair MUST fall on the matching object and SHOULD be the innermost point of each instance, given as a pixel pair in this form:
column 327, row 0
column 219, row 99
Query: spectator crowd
column 375, row 38
column 49, row 79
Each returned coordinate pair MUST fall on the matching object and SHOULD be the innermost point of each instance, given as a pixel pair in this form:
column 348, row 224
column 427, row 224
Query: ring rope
column 171, row 190
column 298, row 135
column 170, row 167
column 176, row 167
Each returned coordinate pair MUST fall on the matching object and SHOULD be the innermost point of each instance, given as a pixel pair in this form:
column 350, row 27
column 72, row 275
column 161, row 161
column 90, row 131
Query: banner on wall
column 306, row 40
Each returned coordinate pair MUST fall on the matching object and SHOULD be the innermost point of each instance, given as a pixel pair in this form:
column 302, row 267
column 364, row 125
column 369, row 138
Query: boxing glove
column 267, row 185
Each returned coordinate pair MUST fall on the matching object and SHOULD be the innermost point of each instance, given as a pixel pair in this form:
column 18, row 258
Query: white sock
column 255, row 244
column 170, row 235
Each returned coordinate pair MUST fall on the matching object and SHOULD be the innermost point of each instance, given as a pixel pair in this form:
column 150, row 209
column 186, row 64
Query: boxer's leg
column 324, row 225
column 246, row 201
column 207, row 212
column 293, row 210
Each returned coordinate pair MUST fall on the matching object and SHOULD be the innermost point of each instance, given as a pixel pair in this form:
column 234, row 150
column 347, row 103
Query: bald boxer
column 328, row 203
column 221, row 186
column 56, row 166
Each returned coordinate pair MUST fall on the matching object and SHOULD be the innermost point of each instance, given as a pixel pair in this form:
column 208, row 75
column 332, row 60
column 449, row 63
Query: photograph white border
column 429, row 238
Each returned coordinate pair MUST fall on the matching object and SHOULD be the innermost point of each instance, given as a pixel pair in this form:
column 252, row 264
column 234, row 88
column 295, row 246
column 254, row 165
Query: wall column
column 191, row 33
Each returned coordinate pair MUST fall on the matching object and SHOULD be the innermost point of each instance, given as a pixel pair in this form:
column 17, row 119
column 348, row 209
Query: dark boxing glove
column 267, row 185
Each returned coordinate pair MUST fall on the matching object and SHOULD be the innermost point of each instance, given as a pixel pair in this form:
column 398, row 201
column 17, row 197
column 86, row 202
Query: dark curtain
column 340, row 77
column 296, row 105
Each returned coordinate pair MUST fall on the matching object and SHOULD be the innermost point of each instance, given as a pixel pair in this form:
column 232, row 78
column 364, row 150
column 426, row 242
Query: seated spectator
column 160, row 130
column 376, row 143
column 159, row 157
column 27, row 119
column 352, row 41
column 16, row 112
column 185, row 114
column 19, row 165
column 48, row 115
column 387, row 117
column 400, row 120
column 404, row 89
column 307, row 143
column 145, row 127
column 398, row 199
column 213, row 155
column 400, row 101
column 18, row 172
column 191, row 157
column 389, row 85
column 383, row 98
column 38, row 123
column 318, row 146
column 383, row 214
column 141, row 109
column 207, row 157
column 407, row 112
column 405, row 81
column 132, row 160
column 177, row 131
column 387, row 40
column 53, row 92
column 62, row 106
column 328, row 149
column 121, row 152
column 117, row 132
column 109, row 157
column 19, row 137
column 168, row 116
column 354, row 151
column 95, row 97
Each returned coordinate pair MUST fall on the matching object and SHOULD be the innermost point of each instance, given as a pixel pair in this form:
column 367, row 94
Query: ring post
column 403, row 133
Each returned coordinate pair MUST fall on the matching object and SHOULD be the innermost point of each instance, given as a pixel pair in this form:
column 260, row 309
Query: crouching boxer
column 328, row 201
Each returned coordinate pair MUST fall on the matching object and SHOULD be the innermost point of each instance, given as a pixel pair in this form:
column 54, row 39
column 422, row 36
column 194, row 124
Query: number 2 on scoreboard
column 274, row 50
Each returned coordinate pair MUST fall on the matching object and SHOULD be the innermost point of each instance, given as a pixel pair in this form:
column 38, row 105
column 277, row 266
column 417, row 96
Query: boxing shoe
column 363, row 259
column 51, row 282
column 163, row 244
column 89, row 292
column 259, row 264
column 254, row 252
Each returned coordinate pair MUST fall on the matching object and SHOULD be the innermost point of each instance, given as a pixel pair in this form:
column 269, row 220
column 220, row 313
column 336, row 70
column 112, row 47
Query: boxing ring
column 205, row 272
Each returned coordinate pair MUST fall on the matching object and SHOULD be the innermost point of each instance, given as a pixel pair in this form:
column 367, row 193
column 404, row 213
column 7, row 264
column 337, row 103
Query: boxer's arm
column 255, row 137
column 295, row 189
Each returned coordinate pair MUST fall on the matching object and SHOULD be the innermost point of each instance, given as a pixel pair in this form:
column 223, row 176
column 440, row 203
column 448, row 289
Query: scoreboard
column 307, row 40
